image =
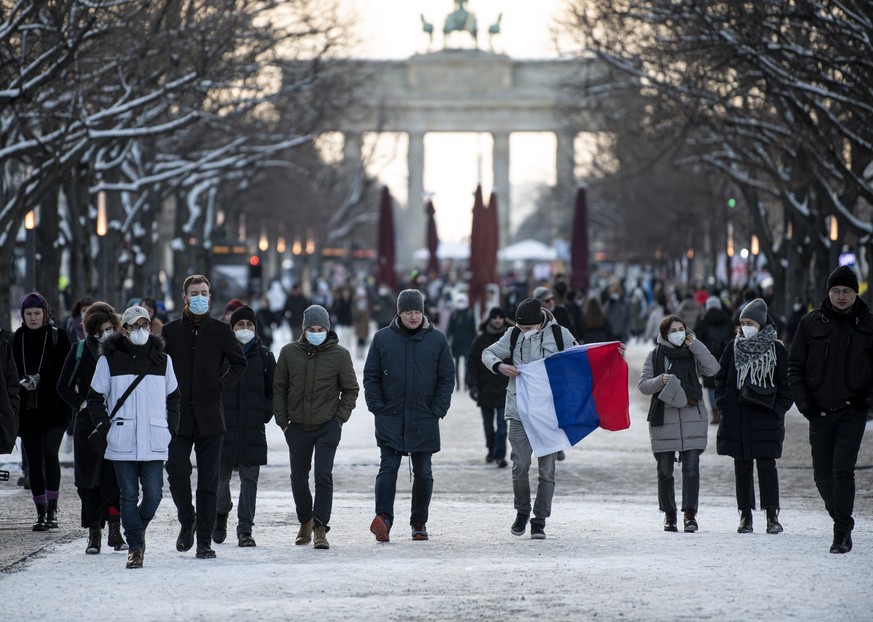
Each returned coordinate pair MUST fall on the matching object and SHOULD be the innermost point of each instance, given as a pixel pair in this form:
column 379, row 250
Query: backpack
column 516, row 331
column 80, row 347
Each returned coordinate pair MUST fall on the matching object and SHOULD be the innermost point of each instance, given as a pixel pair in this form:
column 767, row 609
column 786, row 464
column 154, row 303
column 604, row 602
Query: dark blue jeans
column 302, row 444
column 495, row 439
column 835, row 440
column 135, row 516
column 690, row 460
column 422, row 484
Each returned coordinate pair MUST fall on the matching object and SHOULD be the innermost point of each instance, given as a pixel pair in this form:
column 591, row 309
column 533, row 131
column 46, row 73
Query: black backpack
column 516, row 331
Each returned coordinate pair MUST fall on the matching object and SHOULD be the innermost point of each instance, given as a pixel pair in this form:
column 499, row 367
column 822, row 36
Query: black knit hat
column 410, row 300
column 496, row 312
column 245, row 312
column 843, row 276
column 529, row 312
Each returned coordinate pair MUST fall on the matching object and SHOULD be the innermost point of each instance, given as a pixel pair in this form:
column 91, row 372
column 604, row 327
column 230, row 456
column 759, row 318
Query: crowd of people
column 139, row 393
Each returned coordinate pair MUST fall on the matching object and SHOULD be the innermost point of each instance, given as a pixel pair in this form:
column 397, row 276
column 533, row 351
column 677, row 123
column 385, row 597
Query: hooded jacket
column 538, row 346
column 142, row 427
column 408, row 385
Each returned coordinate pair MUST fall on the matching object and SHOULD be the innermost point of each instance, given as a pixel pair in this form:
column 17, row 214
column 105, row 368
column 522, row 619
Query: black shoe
column 538, row 529
column 51, row 515
column 501, row 464
column 219, row 532
column 135, row 558
column 561, row 456
column 94, row 536
column 246, row 539
column 520, row 525
column 40, row 525
column 745, row 522
column 489, row 457
column 690, row 521
column 115, row 539
column 842, row 542
column 204, row 551
column 419, row 531
column 773, row 524
column 186, row 537
column 670, row 522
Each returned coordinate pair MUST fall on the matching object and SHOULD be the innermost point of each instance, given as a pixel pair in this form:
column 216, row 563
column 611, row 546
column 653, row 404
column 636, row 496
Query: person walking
column 715, row 330
column 536, row 335
column 40, row 350
column 461, row 332
column 489, row 390
column 134, row 403
column 9, row 400
column 677, row 417
column 315, row 393
column 94, row 475
column 409, row 378
column 752, row 394
column 831, row 380
column 248, row 407
column 208, row 360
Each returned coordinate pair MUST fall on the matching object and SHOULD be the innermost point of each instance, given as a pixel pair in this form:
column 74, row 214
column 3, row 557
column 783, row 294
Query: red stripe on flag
column 609, row 375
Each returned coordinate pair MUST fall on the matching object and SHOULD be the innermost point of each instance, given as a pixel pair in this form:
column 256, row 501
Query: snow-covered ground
column 605, row 557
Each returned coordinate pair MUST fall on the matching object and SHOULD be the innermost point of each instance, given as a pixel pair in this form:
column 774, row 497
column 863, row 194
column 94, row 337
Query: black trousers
column 835, row 440
column 208, row 451
column 97, row 501
column 302, row 445
column 768, row 483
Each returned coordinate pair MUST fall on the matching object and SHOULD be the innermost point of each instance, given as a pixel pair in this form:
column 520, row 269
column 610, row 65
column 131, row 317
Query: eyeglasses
column 147, row 327
column 842, row 291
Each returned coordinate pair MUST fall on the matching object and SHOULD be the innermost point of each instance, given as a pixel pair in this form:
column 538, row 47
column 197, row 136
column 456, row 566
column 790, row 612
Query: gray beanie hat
column 316, row 315
column 410, row 300
column 755, row 310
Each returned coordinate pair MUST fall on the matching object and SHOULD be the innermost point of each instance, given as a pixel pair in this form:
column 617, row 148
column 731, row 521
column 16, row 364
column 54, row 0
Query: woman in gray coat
column 678, row 421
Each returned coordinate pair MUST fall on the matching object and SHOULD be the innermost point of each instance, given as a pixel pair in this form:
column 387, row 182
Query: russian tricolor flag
column 566, row 396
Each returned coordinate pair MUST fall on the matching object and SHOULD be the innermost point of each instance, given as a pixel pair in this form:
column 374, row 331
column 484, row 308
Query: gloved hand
column 474, row 393
column 30, row 382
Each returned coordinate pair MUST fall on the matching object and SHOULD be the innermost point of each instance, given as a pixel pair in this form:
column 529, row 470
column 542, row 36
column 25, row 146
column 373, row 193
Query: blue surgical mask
column 316, row 339
column 198, row 304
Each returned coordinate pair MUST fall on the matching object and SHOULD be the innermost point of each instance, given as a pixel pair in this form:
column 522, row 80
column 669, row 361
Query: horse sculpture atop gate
column 461, row 20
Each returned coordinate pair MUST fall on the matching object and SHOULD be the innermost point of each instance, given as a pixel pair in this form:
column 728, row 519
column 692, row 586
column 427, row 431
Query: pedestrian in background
column 40, row 350
column 9, row 400
column 248, row 406
column 208, row 361
column 94, row 475
column 488, row 390
column 409, row 378
column 134, row 402
column 831, row 378
column 315, row 393
column 753, row 396
column 715, row 330
column 678, row 421
column 460, row 332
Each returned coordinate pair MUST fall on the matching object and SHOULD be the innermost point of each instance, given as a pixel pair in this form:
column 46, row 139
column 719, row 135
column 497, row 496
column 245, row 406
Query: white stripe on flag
column 536, row 409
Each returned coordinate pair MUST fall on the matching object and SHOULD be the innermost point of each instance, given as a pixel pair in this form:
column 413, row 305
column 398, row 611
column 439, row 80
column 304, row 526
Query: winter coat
column 618, row 313
column 831, row 361
column 142, row 427
column 685, row 427
column 88, row 465
column 314, row 384
column 746, row 431
column 538, row 346
column 715, row 330
column 200, row 360
column 51, row 411
column 8, row 398
column 248, row 406
column 690, row 312
column 408, row 385
column 490, row 388
column 461, row 331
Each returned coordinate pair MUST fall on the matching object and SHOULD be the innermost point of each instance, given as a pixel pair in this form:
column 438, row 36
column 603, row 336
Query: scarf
column 683, row 365
column 196, row 319
column 755, row 358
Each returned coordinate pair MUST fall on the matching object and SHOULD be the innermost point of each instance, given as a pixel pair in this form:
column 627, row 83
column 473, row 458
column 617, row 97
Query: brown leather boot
column 304, row 535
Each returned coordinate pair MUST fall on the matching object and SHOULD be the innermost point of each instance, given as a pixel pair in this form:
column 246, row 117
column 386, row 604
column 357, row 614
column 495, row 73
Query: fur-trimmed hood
column 119, row 342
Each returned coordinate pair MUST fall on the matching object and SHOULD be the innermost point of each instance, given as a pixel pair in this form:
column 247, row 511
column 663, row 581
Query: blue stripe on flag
column 572, row 393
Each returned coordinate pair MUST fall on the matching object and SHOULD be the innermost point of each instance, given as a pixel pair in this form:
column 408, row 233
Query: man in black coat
column 489, row 389
column 208, row 360
column 830, row 371
column 9, row 389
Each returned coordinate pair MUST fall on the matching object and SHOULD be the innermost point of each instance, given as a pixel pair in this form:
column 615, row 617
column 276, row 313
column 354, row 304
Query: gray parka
column 685, row 427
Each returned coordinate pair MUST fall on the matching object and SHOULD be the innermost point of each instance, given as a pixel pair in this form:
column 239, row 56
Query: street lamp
column 29, row 251
column 833, row 236
column 102, row 230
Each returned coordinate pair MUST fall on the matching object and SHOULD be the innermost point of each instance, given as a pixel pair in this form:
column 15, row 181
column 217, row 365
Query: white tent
column 527, row 250
column 445, row 250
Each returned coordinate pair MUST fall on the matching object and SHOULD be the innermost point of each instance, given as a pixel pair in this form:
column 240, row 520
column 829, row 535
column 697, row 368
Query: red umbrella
column 385, row 272
column 433, row 241
column 579, row 278
column 477, row 283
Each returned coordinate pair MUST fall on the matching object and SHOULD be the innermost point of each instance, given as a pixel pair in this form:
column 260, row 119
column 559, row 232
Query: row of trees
column 169, row 113
column 768, row 102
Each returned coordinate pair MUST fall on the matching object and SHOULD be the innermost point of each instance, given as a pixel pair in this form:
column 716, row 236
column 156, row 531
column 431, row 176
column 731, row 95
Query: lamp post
column 102, row 230
column 833, row 236
column 754, row 250
column 29, row 251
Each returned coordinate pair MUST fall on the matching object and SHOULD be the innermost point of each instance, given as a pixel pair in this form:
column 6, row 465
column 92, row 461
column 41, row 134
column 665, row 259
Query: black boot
column 773, row 525
column 115, row 539
column 94, row 536
column 745, row 522
column 51, row 518
column 40, row 525
column 842, row 542
column 219, row 532
column 670, row 521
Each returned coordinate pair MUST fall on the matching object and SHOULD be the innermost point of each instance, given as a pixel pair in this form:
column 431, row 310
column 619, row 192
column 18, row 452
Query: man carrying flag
column 536, row 336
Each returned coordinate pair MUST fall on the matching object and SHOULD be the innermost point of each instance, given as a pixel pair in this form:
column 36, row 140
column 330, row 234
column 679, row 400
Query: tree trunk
column 47, row 266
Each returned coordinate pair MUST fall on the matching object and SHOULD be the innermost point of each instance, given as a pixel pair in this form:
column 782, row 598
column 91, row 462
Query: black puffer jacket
column 248, row 407
column 831, row 361
column 750, row 432
column 491, row 387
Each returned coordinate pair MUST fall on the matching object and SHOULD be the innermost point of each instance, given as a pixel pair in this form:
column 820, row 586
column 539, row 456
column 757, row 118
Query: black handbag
column 760, row 397
column 97, row 438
